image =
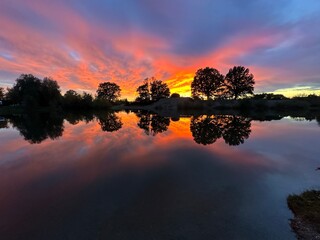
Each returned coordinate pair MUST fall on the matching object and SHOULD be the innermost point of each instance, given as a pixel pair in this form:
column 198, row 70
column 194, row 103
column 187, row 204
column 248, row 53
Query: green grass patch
column 306, row 206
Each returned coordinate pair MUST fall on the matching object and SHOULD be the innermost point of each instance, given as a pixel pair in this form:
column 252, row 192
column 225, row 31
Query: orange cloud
column 80, row 62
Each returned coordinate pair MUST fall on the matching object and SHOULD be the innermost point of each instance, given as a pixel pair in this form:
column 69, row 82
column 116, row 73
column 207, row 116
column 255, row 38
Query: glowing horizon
column 81, row 44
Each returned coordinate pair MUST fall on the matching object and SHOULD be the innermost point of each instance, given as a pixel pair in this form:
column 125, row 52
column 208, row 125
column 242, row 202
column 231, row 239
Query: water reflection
column 152, row 124
column 236, row 130
column 35, row 128
column 132, row 186
column 75, row 117
column 208, row 129
column 109, row 122
column 205, row 129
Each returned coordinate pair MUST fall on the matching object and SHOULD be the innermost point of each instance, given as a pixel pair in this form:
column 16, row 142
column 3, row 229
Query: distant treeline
column 31, row 92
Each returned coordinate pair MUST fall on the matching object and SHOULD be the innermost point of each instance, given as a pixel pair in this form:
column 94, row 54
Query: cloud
column 83, row 43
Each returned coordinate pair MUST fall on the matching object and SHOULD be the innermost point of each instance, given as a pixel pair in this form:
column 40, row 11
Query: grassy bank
column 306, row 210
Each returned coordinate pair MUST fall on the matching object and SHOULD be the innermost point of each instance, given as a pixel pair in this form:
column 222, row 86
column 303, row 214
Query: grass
column 306, row 206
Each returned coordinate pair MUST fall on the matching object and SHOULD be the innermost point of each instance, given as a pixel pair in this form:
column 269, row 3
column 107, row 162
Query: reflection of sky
column 91, row 184
column 82, row 43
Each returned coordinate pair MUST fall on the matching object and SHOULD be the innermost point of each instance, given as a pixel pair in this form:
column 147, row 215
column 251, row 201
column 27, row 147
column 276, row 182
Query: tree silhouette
column 152, row 124
column 109, row 122
column 74, row 100
column 108, row 91
column 144, row 121
column 239, row 81
column 159, row 90
column 144, row 92
column 207, row 82
column 50, row 92
column 1, row 93
column 159, row 124
column 37, row 127
column 205, row 129
column 236, row 130
column 31, row 91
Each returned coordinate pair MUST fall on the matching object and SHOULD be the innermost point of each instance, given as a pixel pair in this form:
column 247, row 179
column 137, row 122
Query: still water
column 142, row 176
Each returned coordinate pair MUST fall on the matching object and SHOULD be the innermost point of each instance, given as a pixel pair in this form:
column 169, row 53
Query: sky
column 82, row 43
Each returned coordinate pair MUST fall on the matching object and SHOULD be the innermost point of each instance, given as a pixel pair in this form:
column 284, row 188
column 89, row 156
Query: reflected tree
column 152, row 124
column 236, row 130
column 144, row 121
column 75, row 117
column 3, row 123
column 109, row 122
column 37, row 127
column 159, row 124
column 205, row 129
column 208, row 129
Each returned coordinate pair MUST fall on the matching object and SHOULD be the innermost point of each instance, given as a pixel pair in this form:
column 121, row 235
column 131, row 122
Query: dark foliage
column 205, row 129
column 208, row 129
column 144, row 94
column 152, row 124
column 37, row 127
column 175, row 95
column 73, row 100
column 239, row 81
column 108, row 91
column 32, row 92
column 159, row 90
column 207, row 82
column 3, row 123
column 306, row 207
column 236, row 130
column 109, row 122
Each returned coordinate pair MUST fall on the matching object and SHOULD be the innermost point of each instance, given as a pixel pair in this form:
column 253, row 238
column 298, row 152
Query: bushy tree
column 31, row 91
column 207, row 82
column 175, row 95
column 74, row 100
column 71, row 99
column 109, row 91
column 239, row 81
column 86, row 99
column 143, row 92
column 50, row 92
column 159, row 90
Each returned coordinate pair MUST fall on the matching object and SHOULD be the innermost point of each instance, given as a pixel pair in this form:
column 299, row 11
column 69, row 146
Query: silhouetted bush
column 175, row 95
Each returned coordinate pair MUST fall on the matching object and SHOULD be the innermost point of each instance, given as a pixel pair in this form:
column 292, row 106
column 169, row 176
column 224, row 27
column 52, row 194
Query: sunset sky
column 81, row 43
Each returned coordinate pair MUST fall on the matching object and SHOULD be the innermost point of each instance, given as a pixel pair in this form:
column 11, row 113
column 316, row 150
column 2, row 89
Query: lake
column 142, row 176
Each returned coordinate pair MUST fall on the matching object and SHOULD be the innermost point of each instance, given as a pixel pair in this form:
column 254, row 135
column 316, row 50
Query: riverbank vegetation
column 209, row 90
column 306, row 210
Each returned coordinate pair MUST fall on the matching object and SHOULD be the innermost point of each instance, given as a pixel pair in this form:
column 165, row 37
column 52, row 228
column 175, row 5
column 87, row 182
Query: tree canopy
column 31, row 91
column 152, row 90
column 207, row 82
column 159, row 90
column 143, row 92
column 109, row 91
column 239, row 81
